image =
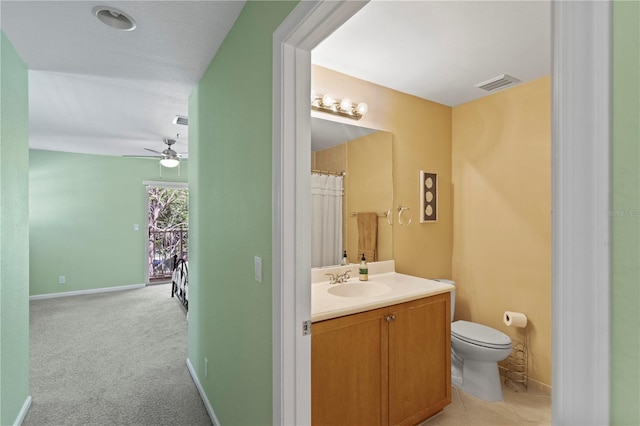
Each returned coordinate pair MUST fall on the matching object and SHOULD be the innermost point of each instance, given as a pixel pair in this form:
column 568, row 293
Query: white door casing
column 580, row 227
column 307, row 25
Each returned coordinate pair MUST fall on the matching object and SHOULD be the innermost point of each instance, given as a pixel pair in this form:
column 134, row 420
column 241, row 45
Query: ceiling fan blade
column 144, row 156
column 167, row 153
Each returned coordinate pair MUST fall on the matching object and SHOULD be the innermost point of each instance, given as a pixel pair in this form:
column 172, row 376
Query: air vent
column 497, row 83
column 180, row 119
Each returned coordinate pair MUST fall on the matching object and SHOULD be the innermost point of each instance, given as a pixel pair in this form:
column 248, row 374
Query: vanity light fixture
column 344, row 107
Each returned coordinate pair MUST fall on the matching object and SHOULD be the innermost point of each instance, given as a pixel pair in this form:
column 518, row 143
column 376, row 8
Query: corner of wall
column 14, row 231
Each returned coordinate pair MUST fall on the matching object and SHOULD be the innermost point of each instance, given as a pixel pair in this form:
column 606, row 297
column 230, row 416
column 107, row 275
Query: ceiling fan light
column 169, row 162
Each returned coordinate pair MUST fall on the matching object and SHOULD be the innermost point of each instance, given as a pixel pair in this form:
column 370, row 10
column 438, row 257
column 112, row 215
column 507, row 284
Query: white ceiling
column 438, row 50
column 94, row 89
column 97, row 90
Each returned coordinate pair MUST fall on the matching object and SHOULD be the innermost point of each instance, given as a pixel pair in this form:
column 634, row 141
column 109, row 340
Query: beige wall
column 502, row 214
column 421, row 141
column 332, row 159
column 369, row 188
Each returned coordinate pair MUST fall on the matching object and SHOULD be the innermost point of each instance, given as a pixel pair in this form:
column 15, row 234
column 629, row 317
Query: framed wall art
column 428, row 197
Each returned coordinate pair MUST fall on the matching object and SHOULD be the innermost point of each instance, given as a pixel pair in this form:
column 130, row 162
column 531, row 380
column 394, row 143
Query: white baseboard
column 203, row 394
column 23, row 412
column 90, row 291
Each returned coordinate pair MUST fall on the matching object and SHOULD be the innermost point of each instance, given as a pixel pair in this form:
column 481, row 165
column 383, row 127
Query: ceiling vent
column 181, row 119
column 497, row 83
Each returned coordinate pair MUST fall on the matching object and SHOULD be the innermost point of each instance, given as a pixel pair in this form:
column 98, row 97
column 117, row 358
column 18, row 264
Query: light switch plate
column 257, row 266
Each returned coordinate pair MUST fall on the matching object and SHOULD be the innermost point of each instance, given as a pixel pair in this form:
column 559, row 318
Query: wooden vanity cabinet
column 349, row 370
column 388, row 366
column 419, row 359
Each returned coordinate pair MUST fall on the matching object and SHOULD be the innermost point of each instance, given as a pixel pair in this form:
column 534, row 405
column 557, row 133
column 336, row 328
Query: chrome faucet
column 342, row 278
column 332, row 278
column 339, row 278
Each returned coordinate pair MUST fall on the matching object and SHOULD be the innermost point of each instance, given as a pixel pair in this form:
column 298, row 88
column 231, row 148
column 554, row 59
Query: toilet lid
column 480, row 335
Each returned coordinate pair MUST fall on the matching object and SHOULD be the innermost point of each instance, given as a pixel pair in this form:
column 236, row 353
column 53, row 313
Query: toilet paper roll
column 514, row 319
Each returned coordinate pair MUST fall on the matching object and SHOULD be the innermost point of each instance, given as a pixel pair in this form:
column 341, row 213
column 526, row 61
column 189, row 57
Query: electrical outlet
column 206, row 367
column 62, row 279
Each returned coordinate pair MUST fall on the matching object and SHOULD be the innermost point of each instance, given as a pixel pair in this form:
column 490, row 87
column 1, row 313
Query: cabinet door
column 419, row 359
column 349, row 370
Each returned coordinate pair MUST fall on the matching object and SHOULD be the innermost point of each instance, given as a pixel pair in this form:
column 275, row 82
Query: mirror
column 367, row 157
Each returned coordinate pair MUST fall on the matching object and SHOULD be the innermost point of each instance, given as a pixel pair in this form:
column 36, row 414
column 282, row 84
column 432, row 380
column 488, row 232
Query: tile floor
column 518, row 408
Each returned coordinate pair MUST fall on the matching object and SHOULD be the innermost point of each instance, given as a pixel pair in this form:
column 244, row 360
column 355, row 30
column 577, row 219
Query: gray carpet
column 112, row 359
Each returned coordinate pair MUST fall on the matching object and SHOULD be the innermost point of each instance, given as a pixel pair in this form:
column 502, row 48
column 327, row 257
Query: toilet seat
column 480, row 335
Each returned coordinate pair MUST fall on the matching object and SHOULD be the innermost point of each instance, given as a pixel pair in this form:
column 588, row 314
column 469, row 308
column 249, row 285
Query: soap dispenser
column 364, row 269
column 345, row 261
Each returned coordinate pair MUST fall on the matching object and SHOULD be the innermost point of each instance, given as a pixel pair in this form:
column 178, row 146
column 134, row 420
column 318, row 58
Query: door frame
column 305, row 27
column 581, row 182
column 581, row 198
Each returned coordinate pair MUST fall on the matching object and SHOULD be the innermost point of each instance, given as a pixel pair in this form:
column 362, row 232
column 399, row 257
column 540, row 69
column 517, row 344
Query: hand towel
column 368, row 236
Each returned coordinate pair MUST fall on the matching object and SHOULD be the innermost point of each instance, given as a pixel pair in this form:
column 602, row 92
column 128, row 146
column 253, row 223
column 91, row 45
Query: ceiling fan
column 168, row 157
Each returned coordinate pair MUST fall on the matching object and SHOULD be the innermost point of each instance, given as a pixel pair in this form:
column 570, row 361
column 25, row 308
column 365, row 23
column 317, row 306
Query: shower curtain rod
column 327, row 172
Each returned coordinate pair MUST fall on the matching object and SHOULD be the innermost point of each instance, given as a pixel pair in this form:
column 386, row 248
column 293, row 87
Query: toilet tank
column 453, row 294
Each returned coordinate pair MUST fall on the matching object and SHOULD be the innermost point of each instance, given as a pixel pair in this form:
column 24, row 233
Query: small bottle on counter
column 344, row 258
column 364, row 269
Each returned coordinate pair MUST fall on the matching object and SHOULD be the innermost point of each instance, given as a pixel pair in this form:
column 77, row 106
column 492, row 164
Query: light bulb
column 362, row 108
column 346, row 104
column 169, row 162
column 328, row 100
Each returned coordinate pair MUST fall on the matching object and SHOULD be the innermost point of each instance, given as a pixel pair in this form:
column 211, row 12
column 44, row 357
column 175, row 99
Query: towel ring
column 389, row 217
column 400, row 210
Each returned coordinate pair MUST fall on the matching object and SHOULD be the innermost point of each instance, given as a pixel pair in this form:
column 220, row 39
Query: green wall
column 82, row 214
column 14, row 228
column 230, row 141
column 625, row 219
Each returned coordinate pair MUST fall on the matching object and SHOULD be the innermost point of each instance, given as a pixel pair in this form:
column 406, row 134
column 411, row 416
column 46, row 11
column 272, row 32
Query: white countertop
column 404, row 288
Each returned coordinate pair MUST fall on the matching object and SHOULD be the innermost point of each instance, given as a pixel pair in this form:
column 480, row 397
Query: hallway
column 115, row 358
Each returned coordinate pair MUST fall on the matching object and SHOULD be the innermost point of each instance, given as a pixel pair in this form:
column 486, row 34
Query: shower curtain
column 326, row 220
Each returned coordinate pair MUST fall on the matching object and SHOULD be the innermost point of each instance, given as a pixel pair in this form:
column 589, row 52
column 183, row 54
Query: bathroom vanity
column 380, row 355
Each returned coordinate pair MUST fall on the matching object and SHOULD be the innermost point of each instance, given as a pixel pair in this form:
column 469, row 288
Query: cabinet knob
column 390, row 318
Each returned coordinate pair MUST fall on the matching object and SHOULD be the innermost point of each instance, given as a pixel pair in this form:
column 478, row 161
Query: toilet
column 475, row 352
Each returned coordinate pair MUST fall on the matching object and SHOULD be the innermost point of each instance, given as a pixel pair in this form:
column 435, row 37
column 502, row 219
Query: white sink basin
column 365, row 289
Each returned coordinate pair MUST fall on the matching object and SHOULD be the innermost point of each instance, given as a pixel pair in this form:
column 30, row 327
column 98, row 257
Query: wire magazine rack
column 516, row 366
